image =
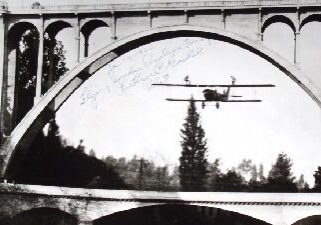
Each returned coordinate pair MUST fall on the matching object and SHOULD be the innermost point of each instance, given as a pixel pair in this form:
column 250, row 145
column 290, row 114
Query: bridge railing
column 166, row 5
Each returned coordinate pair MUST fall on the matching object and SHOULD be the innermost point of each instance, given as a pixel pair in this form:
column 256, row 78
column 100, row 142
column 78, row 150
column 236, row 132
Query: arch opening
column 311, row 220
column 175, row 214
column 23, row 39
column 311, row 18
column 278, row 19
column 54, row 59
column 88, row 29
column 37, row 118
column 44, row 216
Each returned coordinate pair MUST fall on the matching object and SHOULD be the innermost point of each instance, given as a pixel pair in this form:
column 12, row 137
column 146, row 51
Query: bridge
column 88, row 206
column 240, row 23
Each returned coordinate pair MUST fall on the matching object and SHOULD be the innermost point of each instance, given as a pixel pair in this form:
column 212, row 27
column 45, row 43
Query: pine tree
column 280, row 177
column 193, row 162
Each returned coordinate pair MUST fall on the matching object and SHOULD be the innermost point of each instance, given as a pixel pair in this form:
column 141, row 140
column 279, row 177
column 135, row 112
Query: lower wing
column 198, row 100
column 185, row 100
column 254, row 100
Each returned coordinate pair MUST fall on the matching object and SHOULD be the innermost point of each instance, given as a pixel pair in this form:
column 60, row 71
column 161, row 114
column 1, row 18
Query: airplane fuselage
column 213, row 95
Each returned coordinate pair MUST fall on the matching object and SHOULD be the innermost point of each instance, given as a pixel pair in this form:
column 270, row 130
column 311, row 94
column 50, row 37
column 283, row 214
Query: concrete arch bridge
column 89, row 206
column 241, row 23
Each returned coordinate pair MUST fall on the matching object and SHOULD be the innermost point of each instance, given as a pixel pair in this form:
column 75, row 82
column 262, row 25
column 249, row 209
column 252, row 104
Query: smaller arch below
column 91, row 25
column 55, row 27
column 43, row 216
column 310, row 220
column 278, row 19
column 310, row 18
column 177, row 214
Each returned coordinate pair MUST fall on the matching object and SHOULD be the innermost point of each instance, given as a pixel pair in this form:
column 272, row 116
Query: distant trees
column 143, row 174
column 192, row 162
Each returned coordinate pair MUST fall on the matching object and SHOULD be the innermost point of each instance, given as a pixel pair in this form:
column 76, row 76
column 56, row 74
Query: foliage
column 280, row 177
column 54, row 67
column 49, row 162
column 193, row 162
column 231, row 181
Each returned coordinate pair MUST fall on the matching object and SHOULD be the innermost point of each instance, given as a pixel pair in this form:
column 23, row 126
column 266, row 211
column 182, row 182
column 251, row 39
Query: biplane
column 213, row 95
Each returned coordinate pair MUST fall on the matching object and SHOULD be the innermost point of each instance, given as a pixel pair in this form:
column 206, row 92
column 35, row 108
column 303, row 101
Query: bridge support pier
column 3, row 68
column 297, row 48
column 40, row 62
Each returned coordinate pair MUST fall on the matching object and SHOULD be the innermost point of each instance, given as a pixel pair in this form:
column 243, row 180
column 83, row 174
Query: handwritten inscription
column 144, row 66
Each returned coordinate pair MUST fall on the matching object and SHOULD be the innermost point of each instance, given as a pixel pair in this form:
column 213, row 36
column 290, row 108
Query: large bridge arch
column 42, row 112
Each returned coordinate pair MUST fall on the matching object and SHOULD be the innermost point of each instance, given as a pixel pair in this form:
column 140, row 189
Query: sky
column 128, row 116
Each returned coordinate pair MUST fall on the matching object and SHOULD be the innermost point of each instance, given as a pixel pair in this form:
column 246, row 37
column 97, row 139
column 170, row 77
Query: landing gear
column 217, row 105
column 203, row 105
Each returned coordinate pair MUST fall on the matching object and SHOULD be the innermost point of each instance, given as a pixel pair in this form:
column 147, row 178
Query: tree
column 254, row 183
column 92, row 153
column 280, row 177
column 232, row 181
column 301, row 183
column 245, row 168
column 262, row 178
column 214, row 175
column 193, row 162
column 254, row 174
column 317, row 180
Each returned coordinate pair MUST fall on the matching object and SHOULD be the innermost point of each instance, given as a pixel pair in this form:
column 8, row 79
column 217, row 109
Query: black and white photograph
column 160, row 112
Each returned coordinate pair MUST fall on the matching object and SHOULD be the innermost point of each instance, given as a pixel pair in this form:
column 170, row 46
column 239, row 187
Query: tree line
column 51, row 161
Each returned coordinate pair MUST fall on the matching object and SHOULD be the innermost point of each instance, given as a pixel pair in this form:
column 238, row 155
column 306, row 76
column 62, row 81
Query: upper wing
column 215, row 85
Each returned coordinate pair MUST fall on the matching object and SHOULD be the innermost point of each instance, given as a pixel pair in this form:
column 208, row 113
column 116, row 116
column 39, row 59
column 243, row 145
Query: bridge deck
column 193, row 5
column 170, row 197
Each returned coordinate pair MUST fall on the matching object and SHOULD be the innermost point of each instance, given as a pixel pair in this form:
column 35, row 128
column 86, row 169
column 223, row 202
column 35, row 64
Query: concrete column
column 40, row 61
column 8, row 114
column 86, row 46
column 51, row 55
column 186, row 16
column 77, row 30
column 297, row 39
column 297, row 48
column 223, row 18
column 2, row 59
column 259, row 26
column 113, row 16
column 150, row 18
